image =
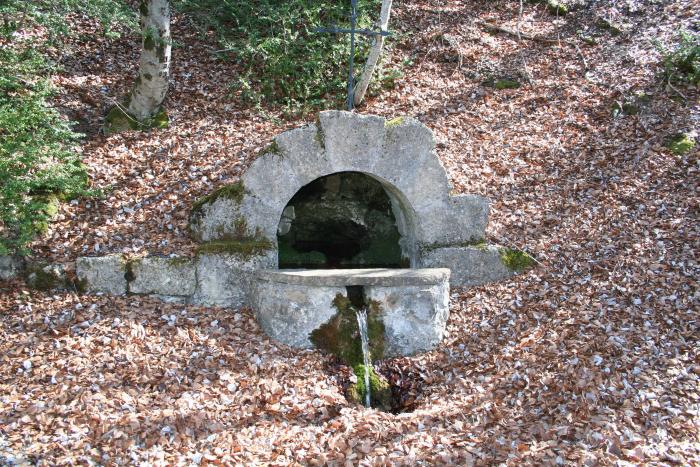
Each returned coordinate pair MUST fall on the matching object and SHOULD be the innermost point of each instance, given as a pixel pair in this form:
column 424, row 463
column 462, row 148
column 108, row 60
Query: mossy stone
column 681, row 144
column 609, row 26
column 395, row 122
column 45, row 277
column 233, row 191
column 557, row 8
column 245, row 248
column 341, row 334
column 506, row 84
column 380, row 389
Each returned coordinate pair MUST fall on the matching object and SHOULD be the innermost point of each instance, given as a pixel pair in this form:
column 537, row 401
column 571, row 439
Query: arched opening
column 343, row 220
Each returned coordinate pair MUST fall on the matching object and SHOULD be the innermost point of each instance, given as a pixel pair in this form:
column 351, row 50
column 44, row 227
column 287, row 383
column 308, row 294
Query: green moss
column 178, row 261
column 478, row 243
column 245, row 247
column 159, row 120
column 233, row 191
column 395, row 122
column 557, row 8
column 44, row 277
column 380, row 389
column 681, row 144
column 609, row 26
column 516, row 260
column 272, row 148
column 506, row 84
column 117, row 120
column 341, row 335
column 320, row 136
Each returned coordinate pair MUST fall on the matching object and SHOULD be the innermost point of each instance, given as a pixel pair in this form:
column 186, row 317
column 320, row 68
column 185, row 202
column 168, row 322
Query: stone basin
column 291, row 304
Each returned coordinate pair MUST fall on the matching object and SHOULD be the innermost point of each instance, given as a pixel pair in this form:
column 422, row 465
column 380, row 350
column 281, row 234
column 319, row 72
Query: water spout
column 362, row 323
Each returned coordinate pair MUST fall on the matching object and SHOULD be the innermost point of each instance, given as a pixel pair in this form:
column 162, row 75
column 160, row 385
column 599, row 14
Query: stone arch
column 399, row 153
column 391, row 215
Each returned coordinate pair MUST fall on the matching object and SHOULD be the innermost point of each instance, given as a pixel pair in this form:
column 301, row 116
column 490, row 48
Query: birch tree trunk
column 374, row 54
column 154, row 67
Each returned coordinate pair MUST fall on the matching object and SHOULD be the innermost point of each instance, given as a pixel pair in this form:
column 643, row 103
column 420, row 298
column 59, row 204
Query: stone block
column 224, row 279
column 290, row 312
column 414, row 316
column 163, row 276
column 10, row 267
column 352, row 142
column 470, row 265
column 304, row 150
column 105, row 274
column 290, row 304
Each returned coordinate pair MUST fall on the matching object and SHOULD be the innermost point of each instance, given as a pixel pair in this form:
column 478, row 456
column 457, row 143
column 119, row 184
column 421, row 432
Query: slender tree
column 374, row 54
column 143, row 104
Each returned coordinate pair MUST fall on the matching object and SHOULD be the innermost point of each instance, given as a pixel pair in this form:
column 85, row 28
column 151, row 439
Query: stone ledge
column 355, row 277
column 470, row 265
column 167, row 276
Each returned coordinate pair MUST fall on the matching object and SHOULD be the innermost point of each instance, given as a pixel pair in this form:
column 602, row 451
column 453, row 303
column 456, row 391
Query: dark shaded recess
column 343, row 220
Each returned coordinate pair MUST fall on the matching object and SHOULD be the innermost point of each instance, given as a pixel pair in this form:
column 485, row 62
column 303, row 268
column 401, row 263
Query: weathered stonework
column 470, row 265
column 399, row 154
column 105, row 274
column 224, row 279
column 415, row 316
column 414, row 303
column 10, row 267
column 163, row 276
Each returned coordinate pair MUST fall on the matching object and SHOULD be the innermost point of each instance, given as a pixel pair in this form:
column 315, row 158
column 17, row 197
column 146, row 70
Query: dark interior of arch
column 344, row 220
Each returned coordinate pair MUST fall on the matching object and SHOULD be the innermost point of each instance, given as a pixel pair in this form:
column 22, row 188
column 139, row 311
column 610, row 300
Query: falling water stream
column 362, row 323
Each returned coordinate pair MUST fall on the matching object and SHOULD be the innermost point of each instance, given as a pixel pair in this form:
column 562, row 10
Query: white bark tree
column 154, row 66
column 374, row 54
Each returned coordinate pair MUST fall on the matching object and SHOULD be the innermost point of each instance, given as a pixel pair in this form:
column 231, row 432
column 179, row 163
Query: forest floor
column 591, row 357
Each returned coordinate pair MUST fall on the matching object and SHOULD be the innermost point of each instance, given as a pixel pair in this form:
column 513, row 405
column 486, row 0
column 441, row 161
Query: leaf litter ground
column 592, row 357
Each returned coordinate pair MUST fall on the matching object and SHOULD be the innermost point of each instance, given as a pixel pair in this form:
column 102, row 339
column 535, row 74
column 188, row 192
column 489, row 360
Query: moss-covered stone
column 478, row 243
column 613, row 28
column 233, row 191
column 516, row 260
column 395, row 122
column 506, row 84
column 272, row 148
column 42, row 276
column 242, row 247
column 380, row 389
column 557, row 8
column 681, row 144
column 341, row 334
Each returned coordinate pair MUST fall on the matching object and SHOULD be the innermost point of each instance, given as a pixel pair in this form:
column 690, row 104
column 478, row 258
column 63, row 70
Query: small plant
column 681, row 64
column 516, row 260
column 39, row 160
column 286, row 63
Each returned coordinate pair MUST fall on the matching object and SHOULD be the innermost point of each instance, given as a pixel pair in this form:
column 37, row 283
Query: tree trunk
column 154, row 67
column 363, row 82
